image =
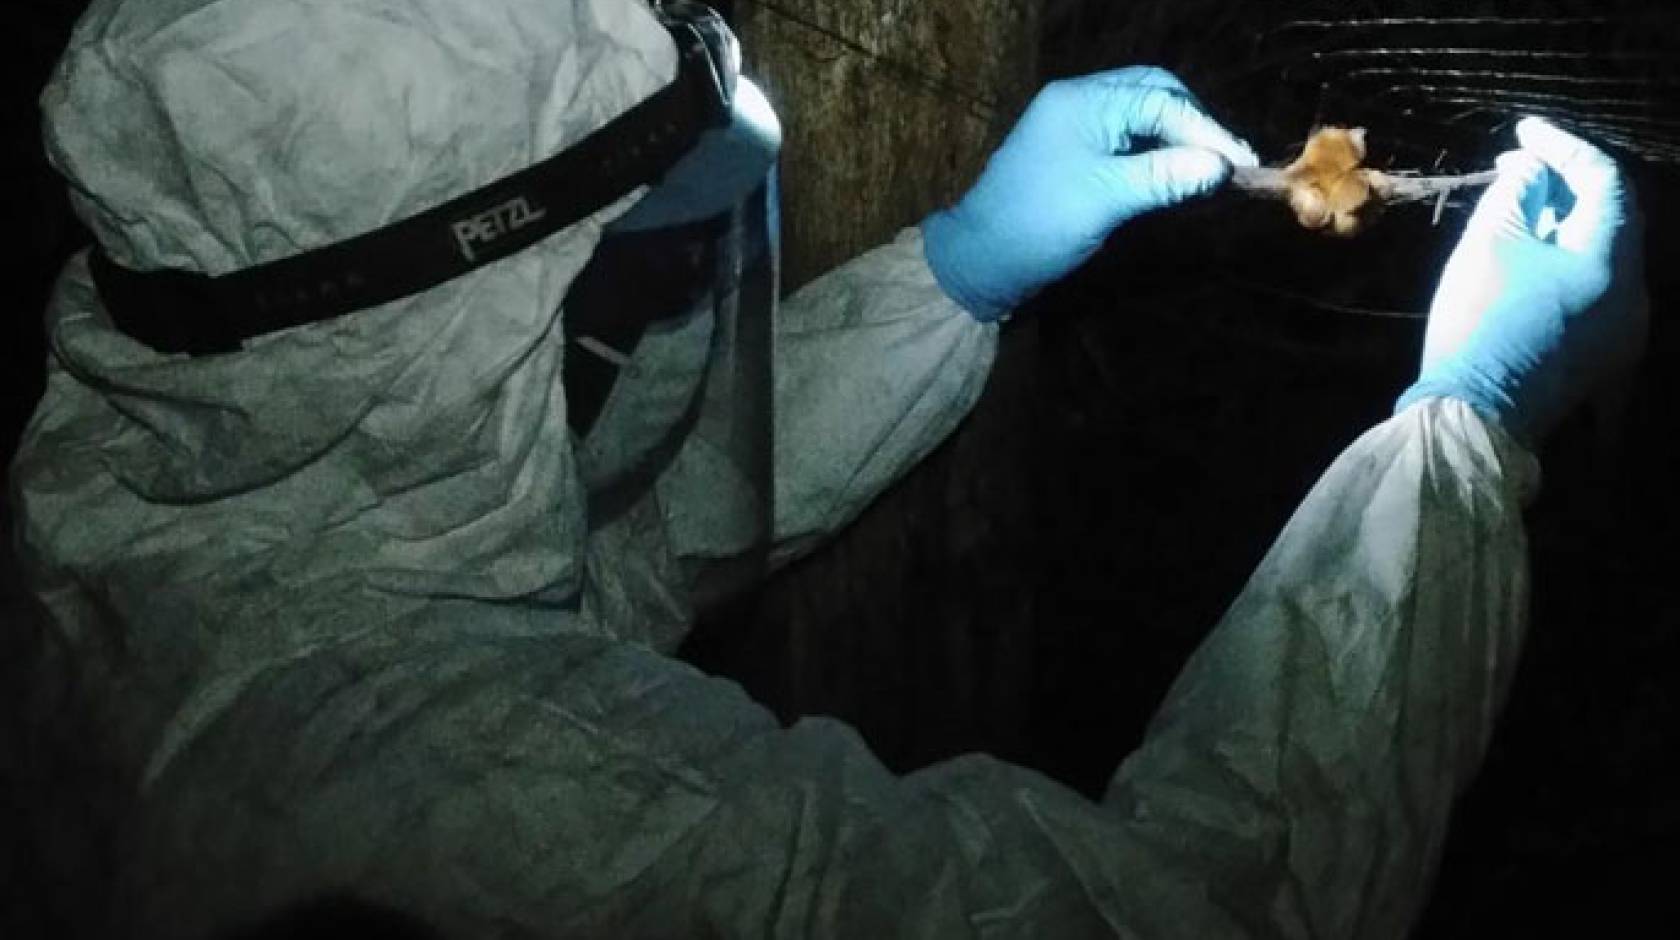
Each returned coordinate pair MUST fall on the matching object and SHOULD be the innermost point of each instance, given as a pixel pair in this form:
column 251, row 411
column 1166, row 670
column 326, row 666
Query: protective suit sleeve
column 1296, row 783
column 875, row 365
column 1305, row 762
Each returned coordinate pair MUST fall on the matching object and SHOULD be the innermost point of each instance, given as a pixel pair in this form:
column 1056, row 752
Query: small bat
column 1328, row 188
column 1331, row 192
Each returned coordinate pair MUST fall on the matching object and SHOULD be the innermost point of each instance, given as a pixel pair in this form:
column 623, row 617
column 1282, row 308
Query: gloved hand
column 1074, row 168
column 1532, row 310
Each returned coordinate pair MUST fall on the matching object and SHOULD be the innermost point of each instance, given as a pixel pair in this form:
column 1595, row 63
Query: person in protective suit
column 423, row 378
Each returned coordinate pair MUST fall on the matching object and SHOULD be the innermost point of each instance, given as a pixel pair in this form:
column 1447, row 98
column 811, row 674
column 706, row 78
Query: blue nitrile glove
column 1540, row 299
column 1071, row 171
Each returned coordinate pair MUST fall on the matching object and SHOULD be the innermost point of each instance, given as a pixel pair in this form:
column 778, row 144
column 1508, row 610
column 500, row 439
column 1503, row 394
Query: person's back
column 365, row 612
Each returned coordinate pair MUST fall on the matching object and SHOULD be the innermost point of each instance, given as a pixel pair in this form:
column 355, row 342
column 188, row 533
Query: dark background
column 1033, row 588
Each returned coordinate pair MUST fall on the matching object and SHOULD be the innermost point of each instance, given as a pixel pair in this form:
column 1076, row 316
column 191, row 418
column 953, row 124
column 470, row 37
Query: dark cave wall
column 889, row 108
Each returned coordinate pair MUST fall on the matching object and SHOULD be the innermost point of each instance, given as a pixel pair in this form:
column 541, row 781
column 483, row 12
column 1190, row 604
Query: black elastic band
column 180, row 311
column 633, row 280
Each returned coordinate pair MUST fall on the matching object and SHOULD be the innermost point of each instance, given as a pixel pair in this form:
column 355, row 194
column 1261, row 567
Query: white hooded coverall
column 336, row 603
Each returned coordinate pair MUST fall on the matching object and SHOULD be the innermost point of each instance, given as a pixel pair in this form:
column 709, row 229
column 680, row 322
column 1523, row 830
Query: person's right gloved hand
column 1542, row 298
column 1089, row 154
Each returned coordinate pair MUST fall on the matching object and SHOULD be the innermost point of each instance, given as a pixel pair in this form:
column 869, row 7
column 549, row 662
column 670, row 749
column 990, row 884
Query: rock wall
column 889, row 108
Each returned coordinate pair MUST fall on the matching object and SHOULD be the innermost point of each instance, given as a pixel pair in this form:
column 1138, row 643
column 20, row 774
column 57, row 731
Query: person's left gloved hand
column 1544, row 297
column 1075, row 167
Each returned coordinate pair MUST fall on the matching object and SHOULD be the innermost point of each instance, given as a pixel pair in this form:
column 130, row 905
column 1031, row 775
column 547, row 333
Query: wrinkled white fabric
column 346, row 626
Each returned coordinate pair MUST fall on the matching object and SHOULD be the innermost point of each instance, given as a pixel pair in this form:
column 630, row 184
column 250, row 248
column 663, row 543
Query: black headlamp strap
column 180, row 311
